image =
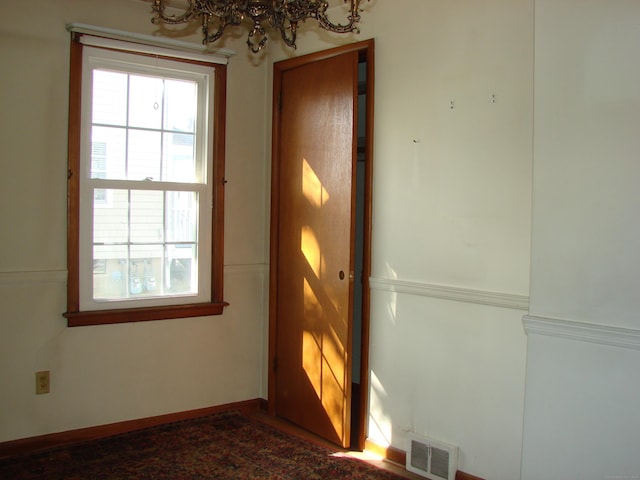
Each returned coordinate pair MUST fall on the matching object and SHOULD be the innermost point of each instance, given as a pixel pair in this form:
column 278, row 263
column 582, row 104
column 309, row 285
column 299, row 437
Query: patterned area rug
column 224, row 446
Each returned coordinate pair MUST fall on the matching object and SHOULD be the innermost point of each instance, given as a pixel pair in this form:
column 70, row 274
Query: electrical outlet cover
column 42, row 382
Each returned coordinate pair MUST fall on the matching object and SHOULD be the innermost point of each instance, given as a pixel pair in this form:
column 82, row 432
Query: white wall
column 587, row 94
column 119, row 372
column 453, row 371
column 451, row 212
column 583, row 380
column 581, row 420
column 452, row 232
column 452, row 215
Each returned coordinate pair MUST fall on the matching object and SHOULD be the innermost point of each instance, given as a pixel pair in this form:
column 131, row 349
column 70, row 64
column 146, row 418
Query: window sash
column 202, row 243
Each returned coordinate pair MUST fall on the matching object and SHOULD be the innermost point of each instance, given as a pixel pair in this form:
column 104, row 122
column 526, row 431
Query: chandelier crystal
column 281, row 15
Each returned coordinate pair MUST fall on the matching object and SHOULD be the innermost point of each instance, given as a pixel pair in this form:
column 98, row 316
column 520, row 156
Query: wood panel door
column 312, row 242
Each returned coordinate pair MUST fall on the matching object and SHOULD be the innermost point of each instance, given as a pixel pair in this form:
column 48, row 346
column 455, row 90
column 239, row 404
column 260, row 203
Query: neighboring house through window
column 146, row 178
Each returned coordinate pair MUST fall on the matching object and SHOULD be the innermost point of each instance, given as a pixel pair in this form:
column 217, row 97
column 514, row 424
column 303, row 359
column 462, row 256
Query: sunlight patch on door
column 334, row 354
column 311, row 340
column 323, row 379
column 312, row 361
column 311, row 250
column 324, row 360
column 312, row 187
column 333, row 401
column 313, row 311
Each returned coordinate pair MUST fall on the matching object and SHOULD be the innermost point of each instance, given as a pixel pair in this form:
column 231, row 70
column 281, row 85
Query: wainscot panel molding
column 505, row 300
column 23, row 277
column 583, row 332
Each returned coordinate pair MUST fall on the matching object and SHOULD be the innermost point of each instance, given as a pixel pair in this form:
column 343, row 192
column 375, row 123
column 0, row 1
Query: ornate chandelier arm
column 260, row 35
column 212, row 37
column 283, row 21
column 207, row 9
column 283, row 15
column 290, row 40
column 161, row 17
column 354, row 18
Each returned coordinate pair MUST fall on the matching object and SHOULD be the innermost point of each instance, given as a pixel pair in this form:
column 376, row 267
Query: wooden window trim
column 75, row 317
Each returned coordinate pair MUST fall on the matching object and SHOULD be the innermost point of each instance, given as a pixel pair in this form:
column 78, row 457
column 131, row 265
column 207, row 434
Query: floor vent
column 432, row 459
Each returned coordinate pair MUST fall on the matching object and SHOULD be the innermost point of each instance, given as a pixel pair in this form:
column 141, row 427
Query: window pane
column 109, row 104
column 182, row 269
column 182, row 216
column 110, row 272
column 179, row 158
column 180, row 107
column 145, row 102
column 147, row 212
column 132, row 258
column 146, row 266
column 144, row 155
column 108, row 152
column 111, row 220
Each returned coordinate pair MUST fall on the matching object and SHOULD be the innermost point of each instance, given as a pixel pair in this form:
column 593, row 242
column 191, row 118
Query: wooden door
column 312, row 284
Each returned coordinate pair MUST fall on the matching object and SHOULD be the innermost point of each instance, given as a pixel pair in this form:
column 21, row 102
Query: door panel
column 316, row 165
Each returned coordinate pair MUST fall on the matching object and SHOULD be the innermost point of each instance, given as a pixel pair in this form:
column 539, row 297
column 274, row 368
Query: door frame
column 365, row 51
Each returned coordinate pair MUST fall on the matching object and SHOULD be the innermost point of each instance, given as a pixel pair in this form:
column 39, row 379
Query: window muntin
column 146, row 193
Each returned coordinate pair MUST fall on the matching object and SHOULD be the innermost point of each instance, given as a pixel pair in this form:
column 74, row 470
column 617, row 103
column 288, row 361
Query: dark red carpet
column 224, row 446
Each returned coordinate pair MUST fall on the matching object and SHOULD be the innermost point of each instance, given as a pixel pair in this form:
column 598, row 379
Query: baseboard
column 42, row 442
column 465, row 476
column 391, row 454
column 399, row 457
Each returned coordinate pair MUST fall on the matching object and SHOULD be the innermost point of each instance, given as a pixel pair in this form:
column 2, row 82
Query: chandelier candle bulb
column 280, row 15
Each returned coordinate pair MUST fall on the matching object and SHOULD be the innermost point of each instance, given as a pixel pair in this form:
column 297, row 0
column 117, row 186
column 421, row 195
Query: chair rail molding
column 482, row 297
column 582, row 331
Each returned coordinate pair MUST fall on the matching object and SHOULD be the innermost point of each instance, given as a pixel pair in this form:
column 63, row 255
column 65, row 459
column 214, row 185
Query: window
column 146, row 178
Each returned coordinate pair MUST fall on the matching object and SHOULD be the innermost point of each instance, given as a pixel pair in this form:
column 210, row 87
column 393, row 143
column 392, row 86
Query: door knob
column 341, row 275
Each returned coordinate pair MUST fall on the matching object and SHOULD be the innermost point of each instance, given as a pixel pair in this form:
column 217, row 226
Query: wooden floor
column 368, row 457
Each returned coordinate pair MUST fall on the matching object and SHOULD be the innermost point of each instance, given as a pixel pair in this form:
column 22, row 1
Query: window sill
column 107, row 317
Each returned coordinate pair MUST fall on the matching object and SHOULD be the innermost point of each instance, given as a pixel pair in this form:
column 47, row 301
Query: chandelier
column 281, row 15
